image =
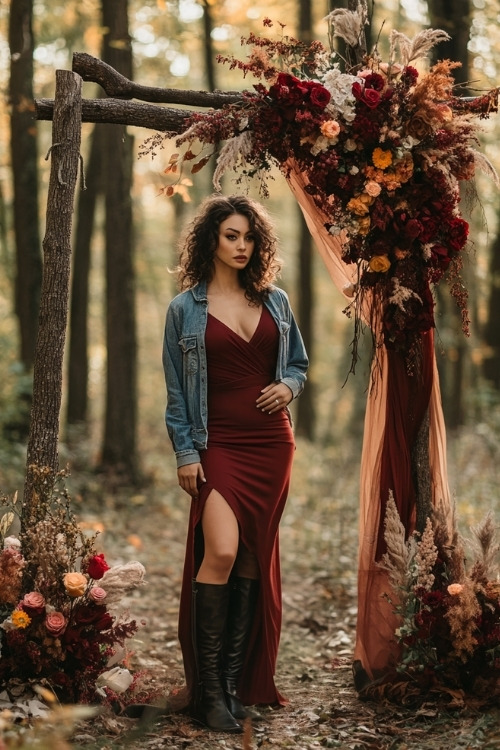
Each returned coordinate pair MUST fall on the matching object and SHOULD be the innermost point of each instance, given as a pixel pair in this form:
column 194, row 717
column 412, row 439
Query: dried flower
column 388, row 134
column 11, row 542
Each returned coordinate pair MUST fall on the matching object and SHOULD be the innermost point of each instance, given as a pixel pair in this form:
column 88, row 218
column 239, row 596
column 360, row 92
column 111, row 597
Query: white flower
column 117, row 679
column 120, row 579
column 11, row 542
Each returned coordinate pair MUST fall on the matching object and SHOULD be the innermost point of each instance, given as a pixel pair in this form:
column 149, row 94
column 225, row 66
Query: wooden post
column 48, row 366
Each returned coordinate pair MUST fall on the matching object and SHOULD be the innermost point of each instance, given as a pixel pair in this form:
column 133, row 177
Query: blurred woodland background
column 124, row 244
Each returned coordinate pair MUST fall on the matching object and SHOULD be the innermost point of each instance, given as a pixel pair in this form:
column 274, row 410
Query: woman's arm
column 176, row 415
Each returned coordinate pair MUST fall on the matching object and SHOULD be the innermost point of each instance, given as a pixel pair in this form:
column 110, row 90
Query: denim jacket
column 185, row 365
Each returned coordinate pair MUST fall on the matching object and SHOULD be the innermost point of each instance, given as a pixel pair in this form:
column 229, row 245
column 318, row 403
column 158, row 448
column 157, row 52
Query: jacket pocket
column 189, row 354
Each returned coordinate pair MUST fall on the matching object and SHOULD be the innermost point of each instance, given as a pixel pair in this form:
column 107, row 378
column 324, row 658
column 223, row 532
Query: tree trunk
column 306, row 417
column 24, row 157
column 47, row 376
column 455, row 367
column 491, row 363
column 119, row 452
column 78, row 335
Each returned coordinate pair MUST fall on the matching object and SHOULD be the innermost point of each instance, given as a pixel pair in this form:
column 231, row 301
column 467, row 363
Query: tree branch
column 117, row 86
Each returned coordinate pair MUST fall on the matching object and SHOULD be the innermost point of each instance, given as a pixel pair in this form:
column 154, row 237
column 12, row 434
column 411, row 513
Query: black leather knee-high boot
column 210, row 603
column 242, row 602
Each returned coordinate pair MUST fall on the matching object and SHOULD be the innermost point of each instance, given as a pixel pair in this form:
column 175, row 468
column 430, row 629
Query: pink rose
column 97, row 567
column 372, row 188
column 55, row 622
column 33, row 602
column 97, row 594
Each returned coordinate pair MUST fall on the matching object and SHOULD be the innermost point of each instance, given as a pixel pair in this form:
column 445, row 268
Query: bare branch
column 117, row 86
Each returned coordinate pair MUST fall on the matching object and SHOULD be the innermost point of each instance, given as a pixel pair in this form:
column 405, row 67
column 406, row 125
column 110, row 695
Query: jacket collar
column 199, row 292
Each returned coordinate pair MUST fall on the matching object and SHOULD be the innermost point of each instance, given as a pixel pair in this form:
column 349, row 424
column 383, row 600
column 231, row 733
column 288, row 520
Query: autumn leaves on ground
column 318, row 543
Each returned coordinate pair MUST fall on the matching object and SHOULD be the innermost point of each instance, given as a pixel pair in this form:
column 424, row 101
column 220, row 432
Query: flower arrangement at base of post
column 383, row 149
column 448, row 611
column 59, row 622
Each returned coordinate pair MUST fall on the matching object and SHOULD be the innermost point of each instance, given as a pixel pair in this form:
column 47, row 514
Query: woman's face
column 236, row 243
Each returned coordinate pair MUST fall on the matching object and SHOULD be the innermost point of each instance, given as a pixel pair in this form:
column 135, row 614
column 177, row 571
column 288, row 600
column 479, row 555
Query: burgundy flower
column 409, row 75
column 97, row 566
column 319, row 96
column 374, row 81
column 458, row 233
column 413, row 229
column 88, row 614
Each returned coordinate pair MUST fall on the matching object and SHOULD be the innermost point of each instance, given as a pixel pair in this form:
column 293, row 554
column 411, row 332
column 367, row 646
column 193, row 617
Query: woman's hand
column 190, row 476
column 274, row 398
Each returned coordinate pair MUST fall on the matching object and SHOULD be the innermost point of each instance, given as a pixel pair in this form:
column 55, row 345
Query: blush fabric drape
column 397, row 403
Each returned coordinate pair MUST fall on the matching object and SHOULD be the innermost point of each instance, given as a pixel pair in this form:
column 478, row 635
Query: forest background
column 112, row 433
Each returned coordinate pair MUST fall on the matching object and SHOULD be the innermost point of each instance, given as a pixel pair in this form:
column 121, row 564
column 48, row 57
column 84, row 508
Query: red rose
column 97, row 567
column 319, row 96
column 288, row 89
column 357, row 91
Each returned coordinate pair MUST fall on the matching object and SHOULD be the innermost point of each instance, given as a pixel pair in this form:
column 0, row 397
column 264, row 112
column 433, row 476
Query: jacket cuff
column 294, row 386
column 187, row 457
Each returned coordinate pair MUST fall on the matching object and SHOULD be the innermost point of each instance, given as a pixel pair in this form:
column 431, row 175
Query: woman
column 233, row 359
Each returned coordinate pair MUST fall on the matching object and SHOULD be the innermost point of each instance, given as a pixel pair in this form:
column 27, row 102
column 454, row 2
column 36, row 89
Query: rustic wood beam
column 119, row 112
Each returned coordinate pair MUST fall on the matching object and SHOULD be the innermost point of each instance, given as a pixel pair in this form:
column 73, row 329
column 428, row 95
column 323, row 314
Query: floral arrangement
column 448, row 609
column 383, row 149
column 59, row 623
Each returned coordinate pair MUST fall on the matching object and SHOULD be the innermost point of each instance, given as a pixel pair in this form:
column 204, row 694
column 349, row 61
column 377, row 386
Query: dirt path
column 318, row 541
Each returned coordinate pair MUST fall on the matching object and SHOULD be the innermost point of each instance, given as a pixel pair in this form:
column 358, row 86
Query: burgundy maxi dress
column 248, row 460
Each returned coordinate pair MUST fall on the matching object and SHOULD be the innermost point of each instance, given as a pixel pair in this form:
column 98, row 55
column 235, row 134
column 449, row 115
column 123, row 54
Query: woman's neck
column 224, row 283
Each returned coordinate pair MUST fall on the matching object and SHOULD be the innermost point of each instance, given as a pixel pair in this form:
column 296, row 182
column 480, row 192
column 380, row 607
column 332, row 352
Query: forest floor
column 318, row 543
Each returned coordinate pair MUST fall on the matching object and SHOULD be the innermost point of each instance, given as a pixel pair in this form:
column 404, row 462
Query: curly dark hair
column 200, row 240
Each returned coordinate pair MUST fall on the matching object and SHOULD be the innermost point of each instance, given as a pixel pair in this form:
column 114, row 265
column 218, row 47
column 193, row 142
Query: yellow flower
column 75, row 584
column 364, row 225
column 358, row 207
column 381, row 159
column 379, row 263
column 455, row 589
column 20, row 619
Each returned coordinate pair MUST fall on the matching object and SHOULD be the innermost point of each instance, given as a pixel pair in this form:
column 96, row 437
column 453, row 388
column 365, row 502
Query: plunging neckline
column 247, row 341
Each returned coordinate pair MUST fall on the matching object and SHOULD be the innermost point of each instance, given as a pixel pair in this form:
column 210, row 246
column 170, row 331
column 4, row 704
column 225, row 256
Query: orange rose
column 379, row 263
column 330, row 129
column 454, row 589
column 75, row 584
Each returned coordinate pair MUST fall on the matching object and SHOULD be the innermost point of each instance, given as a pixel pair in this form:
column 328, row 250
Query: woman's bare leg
column 221, row 538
